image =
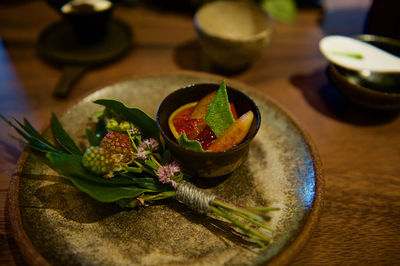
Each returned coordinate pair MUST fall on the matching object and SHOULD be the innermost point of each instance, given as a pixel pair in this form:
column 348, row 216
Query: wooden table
column 360, row 150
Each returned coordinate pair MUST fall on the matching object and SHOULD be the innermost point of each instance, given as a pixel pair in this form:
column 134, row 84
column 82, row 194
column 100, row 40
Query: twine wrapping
column 193, row 197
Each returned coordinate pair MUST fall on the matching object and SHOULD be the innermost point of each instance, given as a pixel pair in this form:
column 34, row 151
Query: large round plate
column 54, row 223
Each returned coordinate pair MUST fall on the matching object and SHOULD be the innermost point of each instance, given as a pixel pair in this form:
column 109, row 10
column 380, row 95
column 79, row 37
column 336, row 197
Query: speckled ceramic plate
column 54, row 223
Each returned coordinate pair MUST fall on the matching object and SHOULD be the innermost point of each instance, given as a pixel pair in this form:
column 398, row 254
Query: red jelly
column 206, row 137
column 233, row 110
column 196, row 129
column 184, row 122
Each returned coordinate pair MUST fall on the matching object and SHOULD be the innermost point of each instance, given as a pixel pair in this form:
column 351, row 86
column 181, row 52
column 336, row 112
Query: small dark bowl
column 207, row 164
column 89, row 24
column 370, row 89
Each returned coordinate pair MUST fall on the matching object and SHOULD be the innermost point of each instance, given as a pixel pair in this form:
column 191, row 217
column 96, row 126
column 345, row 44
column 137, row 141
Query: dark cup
column 207, row 164
column 88, row 18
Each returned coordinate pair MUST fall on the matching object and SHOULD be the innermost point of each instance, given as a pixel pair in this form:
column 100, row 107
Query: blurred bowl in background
column 366, row 88
column 232, row 33
column 88, row 18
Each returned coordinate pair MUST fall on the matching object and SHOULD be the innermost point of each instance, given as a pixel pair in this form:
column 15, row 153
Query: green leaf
column 93, row 141
column 189, row 144
column 282, row 10
column 35, row 134
column 101, row 130
column 33, row 142
column 151, row 164
column 136, row 170
column 151, row 183
column 219, row 116
column 104, row 193
column 70, row 165
column 62, row 136
column 159, row 196
column 147, row 124
column 99, row 133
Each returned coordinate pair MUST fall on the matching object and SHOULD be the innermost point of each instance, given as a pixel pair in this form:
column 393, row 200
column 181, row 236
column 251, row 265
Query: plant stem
column 133, row 169
column 250, row 232
column 155, row 160
column 262, row 209
column 160, row 196
column 237, row 209
column 143, row 167
column 253, row 221
column 132, row 141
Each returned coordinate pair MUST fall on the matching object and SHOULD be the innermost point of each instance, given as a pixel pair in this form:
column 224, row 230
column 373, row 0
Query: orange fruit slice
column 173, row 115
column 201, row 109
column 234, row 134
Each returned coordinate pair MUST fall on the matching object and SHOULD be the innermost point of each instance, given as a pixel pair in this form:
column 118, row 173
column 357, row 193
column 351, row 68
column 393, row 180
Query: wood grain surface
column 359, row 149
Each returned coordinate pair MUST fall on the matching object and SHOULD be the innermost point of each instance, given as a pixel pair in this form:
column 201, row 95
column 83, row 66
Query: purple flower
column 142, row 153
column 146, row 147
column 167, row 171
column 174, row 167
column 150, row 144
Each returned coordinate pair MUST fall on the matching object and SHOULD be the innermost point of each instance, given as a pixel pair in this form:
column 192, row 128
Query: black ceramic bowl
column 207, row 164
column 88, row 18
column 370, row 89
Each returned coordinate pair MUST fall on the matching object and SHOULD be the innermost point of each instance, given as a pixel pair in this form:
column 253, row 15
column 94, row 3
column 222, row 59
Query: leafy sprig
column 150, row 175
column 219, row 116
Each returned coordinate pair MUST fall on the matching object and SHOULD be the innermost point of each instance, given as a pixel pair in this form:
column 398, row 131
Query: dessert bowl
column 207, row 163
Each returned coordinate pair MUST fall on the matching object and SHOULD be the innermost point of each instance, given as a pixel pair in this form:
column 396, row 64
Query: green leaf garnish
column 93, row 141
column 34, row 139
column 151, row 164
column 101, row 189
column 131, row 184
column 146, row 124
column 62, row 137
column 70, row 165
column 352, row 55
column 150, row 183
column 219, row 116
column 32, row 132
column 189, row 144
column 136, row 170
column 101, row 130
column 104, row 193
column 282, row 10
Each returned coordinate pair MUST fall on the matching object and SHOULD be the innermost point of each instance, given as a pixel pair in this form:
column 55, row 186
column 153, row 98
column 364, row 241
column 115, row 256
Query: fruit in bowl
column 208, row 127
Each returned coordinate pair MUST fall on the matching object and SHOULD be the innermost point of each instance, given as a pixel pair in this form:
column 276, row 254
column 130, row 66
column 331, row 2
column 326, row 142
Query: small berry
column 112, row 125
column 97, row 161
column 118, row 144
column 125, row 126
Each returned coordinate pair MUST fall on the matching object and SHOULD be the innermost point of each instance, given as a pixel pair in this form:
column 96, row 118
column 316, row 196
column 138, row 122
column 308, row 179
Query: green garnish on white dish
column 352, row 55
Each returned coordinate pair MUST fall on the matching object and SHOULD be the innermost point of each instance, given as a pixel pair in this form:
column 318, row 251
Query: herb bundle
column 127, row 164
